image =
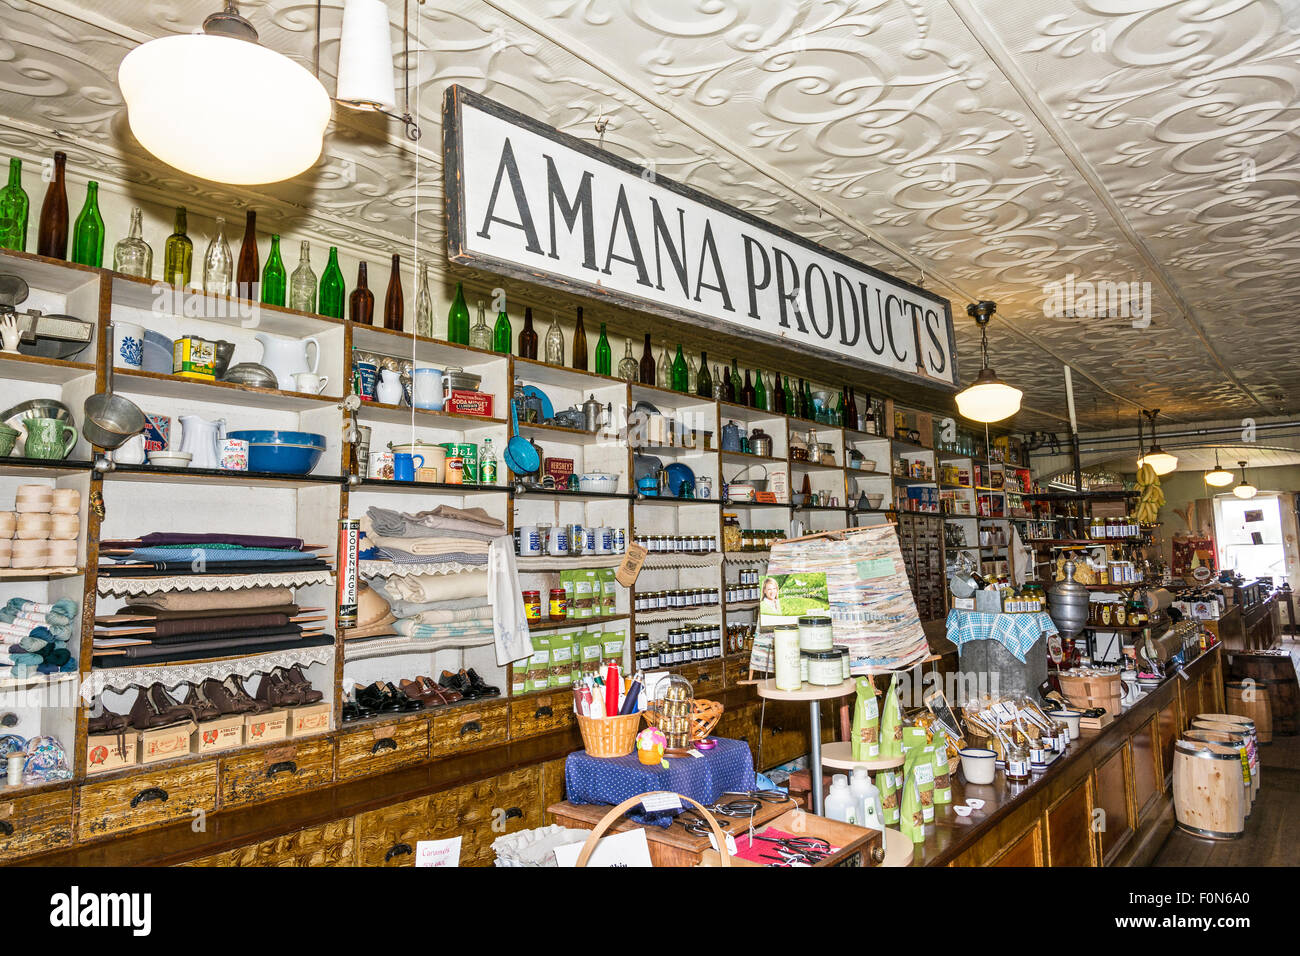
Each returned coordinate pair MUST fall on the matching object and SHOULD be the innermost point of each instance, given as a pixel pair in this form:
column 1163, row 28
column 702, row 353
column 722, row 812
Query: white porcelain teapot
column 287, row 357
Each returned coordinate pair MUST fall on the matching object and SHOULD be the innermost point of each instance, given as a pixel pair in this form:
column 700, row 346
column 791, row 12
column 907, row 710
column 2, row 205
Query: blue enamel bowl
column 288, row 453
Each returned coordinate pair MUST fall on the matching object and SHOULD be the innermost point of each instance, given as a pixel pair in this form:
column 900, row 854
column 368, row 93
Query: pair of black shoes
column 380, row 697
column 469, row 684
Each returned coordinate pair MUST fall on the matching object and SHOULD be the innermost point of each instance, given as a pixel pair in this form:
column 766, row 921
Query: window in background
column 1249, row 536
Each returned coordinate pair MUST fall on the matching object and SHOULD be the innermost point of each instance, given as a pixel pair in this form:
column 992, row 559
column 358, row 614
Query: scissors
column 693, row 825
column 748, row 802
column 797, row 845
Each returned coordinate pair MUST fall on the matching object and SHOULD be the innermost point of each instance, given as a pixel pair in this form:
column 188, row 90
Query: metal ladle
column 110, row 419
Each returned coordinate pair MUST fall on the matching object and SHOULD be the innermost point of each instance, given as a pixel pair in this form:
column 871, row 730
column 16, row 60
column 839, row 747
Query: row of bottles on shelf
column 1126, row 527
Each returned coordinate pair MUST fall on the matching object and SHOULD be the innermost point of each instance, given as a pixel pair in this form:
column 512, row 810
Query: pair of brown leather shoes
column 227, row 698
column 154, row 708
column 286, row 687
column 429, row 693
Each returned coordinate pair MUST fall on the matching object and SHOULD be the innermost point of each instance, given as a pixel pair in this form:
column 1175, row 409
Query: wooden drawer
column 784, row 733
column 494, row 807
column 388, row 836
column 36, row 822
column 378, row 748
column 531, row 716
column 330, row 844
column 708, row 677
column 146, row 799
column 552, row 787
column 469, row 728
column 276, row 771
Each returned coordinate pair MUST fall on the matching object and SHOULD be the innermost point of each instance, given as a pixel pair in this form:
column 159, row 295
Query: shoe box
column 106, row 752
column 224, row 733
column 309, row 719
column 164, row 743
column 271, row 725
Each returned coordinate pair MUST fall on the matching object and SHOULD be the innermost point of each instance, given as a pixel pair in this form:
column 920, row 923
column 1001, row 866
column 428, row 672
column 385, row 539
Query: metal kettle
column 760, row 443
column 1067, row 604
column 732, row 437
column 592, row 414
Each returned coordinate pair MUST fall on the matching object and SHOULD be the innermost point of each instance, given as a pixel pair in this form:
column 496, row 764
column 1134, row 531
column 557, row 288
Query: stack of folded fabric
column 166, row 553
column 445, row 535
column 458, row 616
column 188, row 625
column 36, row 637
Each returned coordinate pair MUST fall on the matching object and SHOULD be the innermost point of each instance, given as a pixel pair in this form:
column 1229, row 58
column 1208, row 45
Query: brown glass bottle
column 394, row 304
column 248, row 267
column 580, row 344
column 528, row 336
column 648, row 363
column 747, row 392
column 361, row 303
column 52, row 233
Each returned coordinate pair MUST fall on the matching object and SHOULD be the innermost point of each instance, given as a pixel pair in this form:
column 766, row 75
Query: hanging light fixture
column 365, row 74
column 219, row 106
column 1245, row 489
column 1157, row 458
column 1220, row 477
column 988, row 398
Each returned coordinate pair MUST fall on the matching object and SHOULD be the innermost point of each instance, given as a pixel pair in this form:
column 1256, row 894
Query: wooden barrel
column 1276, row 673
column 1237, row 740
column 1231, row 722
column 1251, row 699
column 1209, row 794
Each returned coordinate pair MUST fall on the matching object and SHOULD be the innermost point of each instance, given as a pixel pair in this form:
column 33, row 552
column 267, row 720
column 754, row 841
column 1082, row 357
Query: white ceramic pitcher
column 201, row 438
column 287, row 357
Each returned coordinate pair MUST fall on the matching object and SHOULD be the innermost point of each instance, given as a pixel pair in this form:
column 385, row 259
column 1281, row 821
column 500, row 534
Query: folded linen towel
column 482, row 613
column 438, row 587
column 432, row 631
column 428, row 545
column 473, row 521
column 451, row 557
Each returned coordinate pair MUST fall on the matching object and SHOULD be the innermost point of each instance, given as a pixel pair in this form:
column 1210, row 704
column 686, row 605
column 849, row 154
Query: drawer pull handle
column 399, row 849
column 383, row 743
column 149, row 793
column 6, row 828
column 471, row 727
column 775, row 730
column 514, row 812
column 703, row 677
column 284, row 766
column 544, row 711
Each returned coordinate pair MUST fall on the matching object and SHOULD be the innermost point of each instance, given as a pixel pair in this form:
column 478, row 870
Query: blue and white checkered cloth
column 1016, row 632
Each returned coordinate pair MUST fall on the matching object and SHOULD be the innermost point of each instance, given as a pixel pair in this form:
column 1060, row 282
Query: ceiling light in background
column 219, row 106
column 366, row 57
column 1245, row 489
column 1159, row 459
column 988, row 398
column 1220, row 477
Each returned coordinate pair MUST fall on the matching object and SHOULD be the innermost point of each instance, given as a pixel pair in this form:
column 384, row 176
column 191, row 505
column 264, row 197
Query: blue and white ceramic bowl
column 285, row 452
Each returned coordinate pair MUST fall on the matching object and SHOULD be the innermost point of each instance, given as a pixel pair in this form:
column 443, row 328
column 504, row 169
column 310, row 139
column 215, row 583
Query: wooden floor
column 1272, row 836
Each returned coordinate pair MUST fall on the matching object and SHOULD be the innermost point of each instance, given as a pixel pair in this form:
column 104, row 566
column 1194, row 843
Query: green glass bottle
column 760, row 390
column 737, row 383
column 14, row 206
column 604, row 354
column 681, row 377
column 274, row 277
column 501, row 332
column 178, row 253
column 791, row 405
column 458, row 319
column 332, row 288
column 704, row 381
column 88, row 232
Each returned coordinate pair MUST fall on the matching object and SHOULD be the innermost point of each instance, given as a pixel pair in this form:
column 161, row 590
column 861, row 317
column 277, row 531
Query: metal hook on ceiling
column 602, row 124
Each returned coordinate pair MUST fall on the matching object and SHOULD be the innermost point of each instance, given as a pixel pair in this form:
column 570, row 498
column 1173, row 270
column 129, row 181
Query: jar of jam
column 532, row 606
column 558, row 606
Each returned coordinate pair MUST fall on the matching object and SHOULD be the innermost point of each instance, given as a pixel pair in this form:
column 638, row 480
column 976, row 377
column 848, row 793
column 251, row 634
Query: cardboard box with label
column 309, row 719
column 223, row 733
column 271, row 725
column 164, row 743
column 106, row 752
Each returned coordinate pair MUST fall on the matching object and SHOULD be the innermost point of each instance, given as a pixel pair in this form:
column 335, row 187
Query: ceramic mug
column 49, row 438
column 404, row 466
column 310, row 383
column 528, row 541
column 128, row 345
column 367, row 374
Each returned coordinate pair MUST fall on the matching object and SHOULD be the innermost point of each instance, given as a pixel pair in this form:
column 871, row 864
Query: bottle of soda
column 487, row 463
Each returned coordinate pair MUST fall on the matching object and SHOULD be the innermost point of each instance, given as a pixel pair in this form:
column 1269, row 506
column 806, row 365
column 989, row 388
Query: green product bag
column 560, row 671
column 566, row 582
column 911, row 818
column 866, row 722
column 914, row 737
column 891, row 723
column 608, row 592
column 611, row 652
column 539, row 666
column 942, row 777
column 887, row 784
column 592, row 649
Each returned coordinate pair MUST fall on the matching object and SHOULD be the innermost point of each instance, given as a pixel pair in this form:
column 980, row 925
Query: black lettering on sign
column 709, row 248
column 842, row 286
column 676, row 253
column 624, row 215
column 785, row 261
column 874, row 342
column 826, row 297
column 892, row 304
column 570, row 211
column 507, row 167
column 751, row 246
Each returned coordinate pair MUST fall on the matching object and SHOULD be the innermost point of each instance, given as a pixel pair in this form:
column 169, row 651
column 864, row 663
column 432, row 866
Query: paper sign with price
column 438, row 852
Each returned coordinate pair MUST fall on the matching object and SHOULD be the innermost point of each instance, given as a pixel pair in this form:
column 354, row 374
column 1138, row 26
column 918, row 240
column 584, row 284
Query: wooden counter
column 1105, row 801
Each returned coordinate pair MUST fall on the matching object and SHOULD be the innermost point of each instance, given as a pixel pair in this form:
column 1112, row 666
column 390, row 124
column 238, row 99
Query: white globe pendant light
column 1220, row 477
column 988, row 398
column 218, row 106
column 1160, row 460
column 1245, row 489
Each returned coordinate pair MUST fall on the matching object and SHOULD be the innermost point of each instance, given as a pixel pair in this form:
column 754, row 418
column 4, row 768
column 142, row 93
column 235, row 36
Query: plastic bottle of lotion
column 839, row 803
column 866, row 799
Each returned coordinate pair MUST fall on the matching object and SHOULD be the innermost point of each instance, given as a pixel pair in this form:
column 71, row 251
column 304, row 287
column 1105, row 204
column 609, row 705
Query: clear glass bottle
column 480, row 336
column 274, row 276
column 555, row 342
column 218, row 263
column 664, row 370
column 132, row 255
column 88, row 231
column 14, row 208
column 424, row 305
column 178, row 253
column 692, row 375
column 628, row 368
column 302, row 284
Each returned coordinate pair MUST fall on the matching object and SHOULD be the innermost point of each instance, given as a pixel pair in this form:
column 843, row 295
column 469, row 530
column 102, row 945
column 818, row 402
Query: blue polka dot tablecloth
column 1016, row 632
column 610, row 780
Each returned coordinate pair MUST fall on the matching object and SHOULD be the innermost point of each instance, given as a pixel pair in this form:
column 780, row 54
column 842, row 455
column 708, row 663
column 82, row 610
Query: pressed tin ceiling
column 990, row 148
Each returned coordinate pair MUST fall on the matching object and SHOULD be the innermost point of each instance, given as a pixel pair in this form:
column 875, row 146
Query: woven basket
column 704, row 717
column 609, row 736
column 1084, row 693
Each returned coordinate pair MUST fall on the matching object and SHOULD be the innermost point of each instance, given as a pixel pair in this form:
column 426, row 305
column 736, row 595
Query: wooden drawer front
column 1070, row 840
column 382, row 747
column 1148, row 781
column 330, row 844
column 531, row 716
column 276, row 771
column 707, row 678
column 39, row 821
column 469, row 728
column 494, row 807
column 146, row 799
column 740, row 724
column 1112, row 789
column 552, row 786
column 785, row 733
column 387, row 836
column 1027, row 850
column 1168, row 724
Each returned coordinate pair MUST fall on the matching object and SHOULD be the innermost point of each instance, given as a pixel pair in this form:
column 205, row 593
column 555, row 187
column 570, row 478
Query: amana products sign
column 528, row 201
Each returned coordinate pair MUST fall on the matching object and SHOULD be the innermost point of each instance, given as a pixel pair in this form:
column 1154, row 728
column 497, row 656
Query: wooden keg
column 1237, row 740
column 1251, row 699
column 1276, row 673
column 1209, row 793
column 1231, row 722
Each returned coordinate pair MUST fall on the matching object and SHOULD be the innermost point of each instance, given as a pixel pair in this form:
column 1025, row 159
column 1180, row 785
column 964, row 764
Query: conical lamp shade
column 366, row 57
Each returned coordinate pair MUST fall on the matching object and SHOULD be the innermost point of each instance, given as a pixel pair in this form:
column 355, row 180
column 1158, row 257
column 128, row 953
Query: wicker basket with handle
column 609, row 736
column 616, row 813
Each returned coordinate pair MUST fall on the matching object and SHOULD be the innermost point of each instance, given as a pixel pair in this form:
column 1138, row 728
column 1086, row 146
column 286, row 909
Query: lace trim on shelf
column 711, row 560
column 172, row 675
column 392, row 569
column 127, row 587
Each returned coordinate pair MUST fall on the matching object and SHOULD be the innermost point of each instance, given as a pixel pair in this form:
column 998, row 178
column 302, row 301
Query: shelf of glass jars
column 220, row 476
column 162, row 385
column 575, row 623
column 43, row 467
column 423, row 417
column 663, row 560
column 45, row 371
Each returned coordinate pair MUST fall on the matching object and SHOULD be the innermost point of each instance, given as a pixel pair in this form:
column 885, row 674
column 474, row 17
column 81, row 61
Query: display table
column 814, row 695
column 840, row 756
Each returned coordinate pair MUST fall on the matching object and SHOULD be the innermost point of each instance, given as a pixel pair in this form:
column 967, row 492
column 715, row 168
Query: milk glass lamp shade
column 1220, row 477
column 224, row 109
column 1160, row 461
column 366, row 57
column 988, row 399
column 1245, row 489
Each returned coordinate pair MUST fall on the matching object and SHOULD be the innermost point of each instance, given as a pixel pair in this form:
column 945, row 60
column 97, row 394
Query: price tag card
column 630, row 568
column 657, row 802
column 438, row 852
